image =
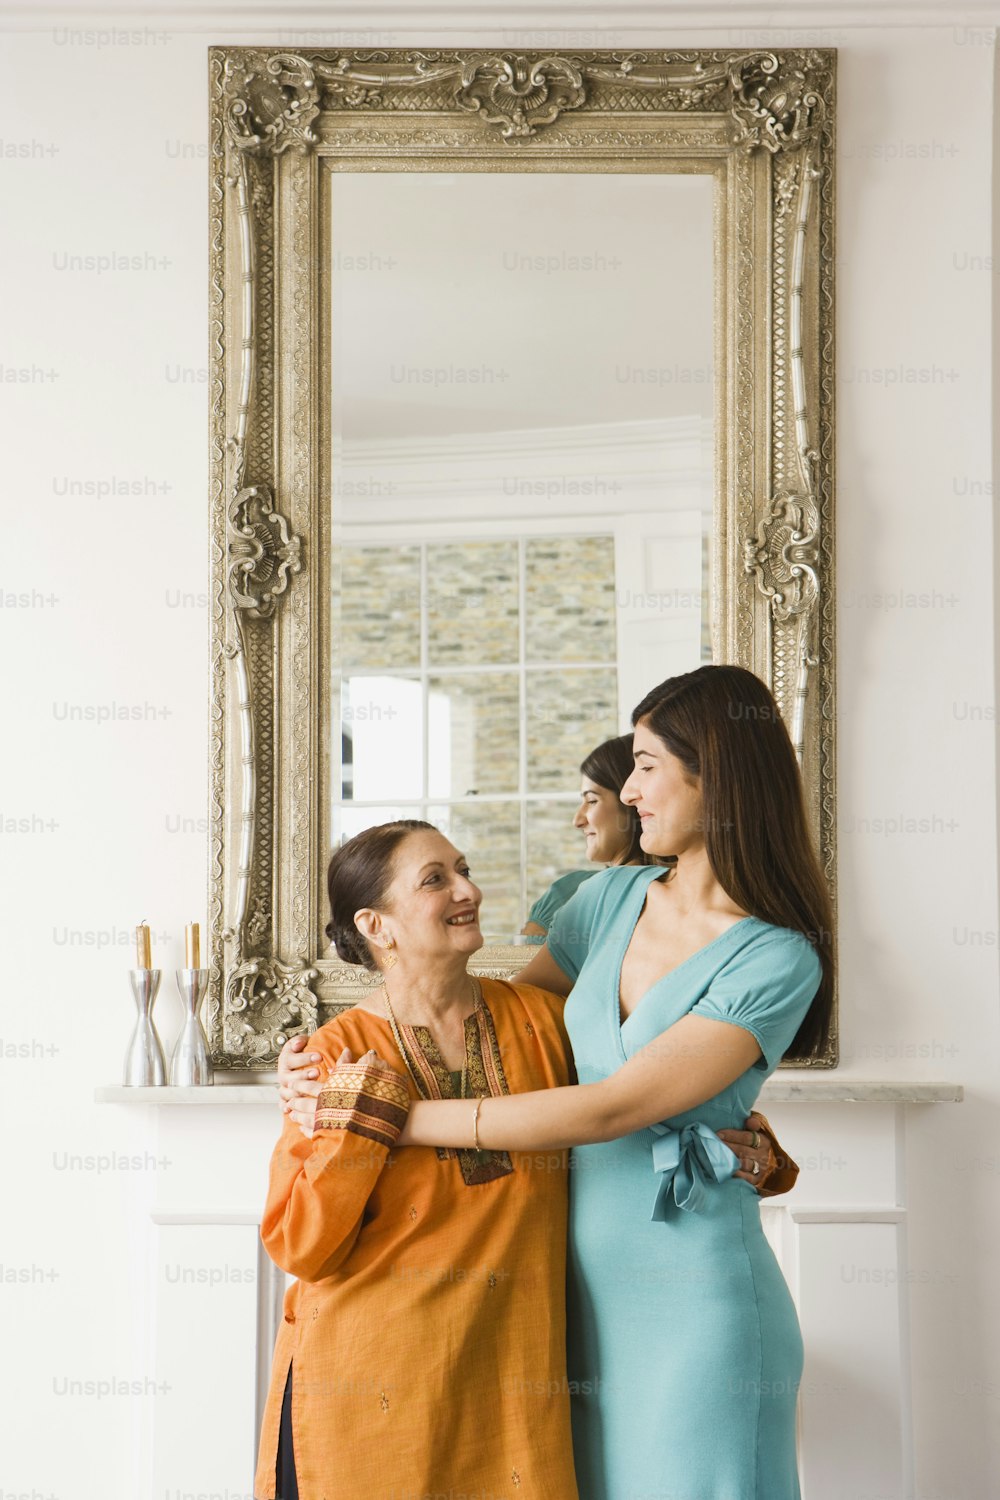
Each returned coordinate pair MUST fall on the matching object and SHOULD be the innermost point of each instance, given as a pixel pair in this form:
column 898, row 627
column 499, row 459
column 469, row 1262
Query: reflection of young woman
column 611, row 831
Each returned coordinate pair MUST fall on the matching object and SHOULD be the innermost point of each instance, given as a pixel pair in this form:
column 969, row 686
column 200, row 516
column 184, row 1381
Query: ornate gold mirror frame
column 763, row 124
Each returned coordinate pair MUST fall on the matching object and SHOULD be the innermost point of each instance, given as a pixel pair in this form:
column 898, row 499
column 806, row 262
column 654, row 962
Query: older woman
column 423, row 1345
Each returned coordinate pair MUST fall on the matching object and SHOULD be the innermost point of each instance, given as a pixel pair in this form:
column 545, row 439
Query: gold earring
column 390, row 960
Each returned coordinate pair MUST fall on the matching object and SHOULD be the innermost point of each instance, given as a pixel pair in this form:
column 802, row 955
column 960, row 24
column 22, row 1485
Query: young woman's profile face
column 668, row 803
column 604, row 824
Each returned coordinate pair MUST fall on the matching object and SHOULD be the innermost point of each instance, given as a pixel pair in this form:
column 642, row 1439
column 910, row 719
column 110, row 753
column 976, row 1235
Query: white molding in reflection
column 569, row 471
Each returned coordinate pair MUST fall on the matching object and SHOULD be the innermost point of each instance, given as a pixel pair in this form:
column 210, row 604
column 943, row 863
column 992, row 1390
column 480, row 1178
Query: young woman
column 611, row 831
column 686, row 987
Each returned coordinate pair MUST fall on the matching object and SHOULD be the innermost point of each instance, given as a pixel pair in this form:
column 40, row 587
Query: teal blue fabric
column 684, row 1348
column 688, row 1160
column 555, row 897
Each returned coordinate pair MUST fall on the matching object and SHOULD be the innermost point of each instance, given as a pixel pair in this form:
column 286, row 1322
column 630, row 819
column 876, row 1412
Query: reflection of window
column 473, row 676
column 347, row 762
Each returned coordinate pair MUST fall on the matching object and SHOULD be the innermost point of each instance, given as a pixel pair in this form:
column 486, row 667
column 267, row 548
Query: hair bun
column 359, row 875
column 350, row 946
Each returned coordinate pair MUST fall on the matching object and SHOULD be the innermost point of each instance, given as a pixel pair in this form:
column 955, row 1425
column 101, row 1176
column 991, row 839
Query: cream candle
column 142, row 951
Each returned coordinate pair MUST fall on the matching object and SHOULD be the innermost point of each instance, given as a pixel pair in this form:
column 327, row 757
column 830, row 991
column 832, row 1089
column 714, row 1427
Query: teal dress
column 544, row 910
column 684, row 1348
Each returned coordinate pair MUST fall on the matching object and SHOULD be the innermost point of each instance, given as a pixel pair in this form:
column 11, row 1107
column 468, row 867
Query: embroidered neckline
column 485, row 1076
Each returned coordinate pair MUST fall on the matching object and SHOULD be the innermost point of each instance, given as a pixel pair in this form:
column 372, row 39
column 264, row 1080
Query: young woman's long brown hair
column 723, row 725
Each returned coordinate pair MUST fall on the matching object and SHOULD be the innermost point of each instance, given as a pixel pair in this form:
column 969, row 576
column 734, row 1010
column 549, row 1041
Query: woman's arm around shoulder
column 543, row 973
column 748, row 1016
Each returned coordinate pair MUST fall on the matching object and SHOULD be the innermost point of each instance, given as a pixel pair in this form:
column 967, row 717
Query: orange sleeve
column 781, row 1179
column 318, row 1188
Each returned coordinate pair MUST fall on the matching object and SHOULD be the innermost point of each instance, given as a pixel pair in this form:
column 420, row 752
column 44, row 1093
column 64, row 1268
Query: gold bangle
column 475, row 1123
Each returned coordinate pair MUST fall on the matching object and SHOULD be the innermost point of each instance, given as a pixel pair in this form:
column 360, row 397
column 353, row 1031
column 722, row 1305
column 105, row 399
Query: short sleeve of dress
column 767, row 989
column 558, row 893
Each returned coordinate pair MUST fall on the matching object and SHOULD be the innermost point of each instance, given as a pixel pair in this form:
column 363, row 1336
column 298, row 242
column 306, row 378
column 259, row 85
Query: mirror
column 522, row 409
column 521, row 400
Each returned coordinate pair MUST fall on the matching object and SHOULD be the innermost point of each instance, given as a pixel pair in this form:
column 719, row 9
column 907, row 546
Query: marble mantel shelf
column 778, row 1090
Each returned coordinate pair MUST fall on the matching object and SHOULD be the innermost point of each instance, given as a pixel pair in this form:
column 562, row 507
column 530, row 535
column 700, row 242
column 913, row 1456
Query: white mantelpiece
column 780, row 1089
column 840, row 1237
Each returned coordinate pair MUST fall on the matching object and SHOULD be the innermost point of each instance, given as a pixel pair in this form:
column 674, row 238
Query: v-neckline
column 616, row 998
column 484, row 1074
column 422, row 1039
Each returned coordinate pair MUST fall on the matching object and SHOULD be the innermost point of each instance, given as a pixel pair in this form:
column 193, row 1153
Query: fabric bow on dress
column 688, row 1160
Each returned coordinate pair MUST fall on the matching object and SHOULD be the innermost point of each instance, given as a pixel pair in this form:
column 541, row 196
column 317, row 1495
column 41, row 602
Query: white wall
column 103, row 154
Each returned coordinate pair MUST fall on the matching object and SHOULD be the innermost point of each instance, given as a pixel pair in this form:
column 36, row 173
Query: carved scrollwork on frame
column 785, row 554
column 262, row 552
column 271, row 102
column 761, row 122
column 785, row 559
column 267, row 1002
column 776, row 107
column 519, row 96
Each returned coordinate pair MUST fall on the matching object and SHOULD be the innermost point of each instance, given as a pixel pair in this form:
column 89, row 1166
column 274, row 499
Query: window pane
column 568, row 714
column 350, row 820
column 554, row 845
column 378, row 624
column 570, row 598
column 706, row 596
column 489, row 835
column 382, row 738
column 473, row 734
column 472, row 604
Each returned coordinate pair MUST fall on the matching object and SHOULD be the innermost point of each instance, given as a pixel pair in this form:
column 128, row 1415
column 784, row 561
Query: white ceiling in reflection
column 482, row 302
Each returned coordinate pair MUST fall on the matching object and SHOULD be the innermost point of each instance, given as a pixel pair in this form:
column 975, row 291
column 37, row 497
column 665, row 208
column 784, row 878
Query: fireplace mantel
column 840, row 1239
column 779, row 1089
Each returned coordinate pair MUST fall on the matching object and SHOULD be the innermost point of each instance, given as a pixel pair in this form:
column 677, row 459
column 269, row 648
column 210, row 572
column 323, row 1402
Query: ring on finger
column 756, row 1169
column 754, row 1139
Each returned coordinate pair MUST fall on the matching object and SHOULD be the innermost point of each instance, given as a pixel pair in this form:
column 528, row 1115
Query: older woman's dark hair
column 723, row 725
column 610, row 765
column 360, row 875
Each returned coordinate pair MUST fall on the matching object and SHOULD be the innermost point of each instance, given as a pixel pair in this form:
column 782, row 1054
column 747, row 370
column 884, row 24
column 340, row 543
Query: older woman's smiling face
column 432, row 905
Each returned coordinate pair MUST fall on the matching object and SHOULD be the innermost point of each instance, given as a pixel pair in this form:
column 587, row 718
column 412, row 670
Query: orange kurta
column 426, row 1331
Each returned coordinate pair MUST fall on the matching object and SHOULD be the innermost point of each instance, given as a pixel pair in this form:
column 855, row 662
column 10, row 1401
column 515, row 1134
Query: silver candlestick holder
column 190, row 1062
column 144, row 1059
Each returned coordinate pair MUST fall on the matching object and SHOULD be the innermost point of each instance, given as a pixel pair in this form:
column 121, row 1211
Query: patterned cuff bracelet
column 369, row 1099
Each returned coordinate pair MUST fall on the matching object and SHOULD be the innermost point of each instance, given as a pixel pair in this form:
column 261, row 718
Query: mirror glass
column 522, row 413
